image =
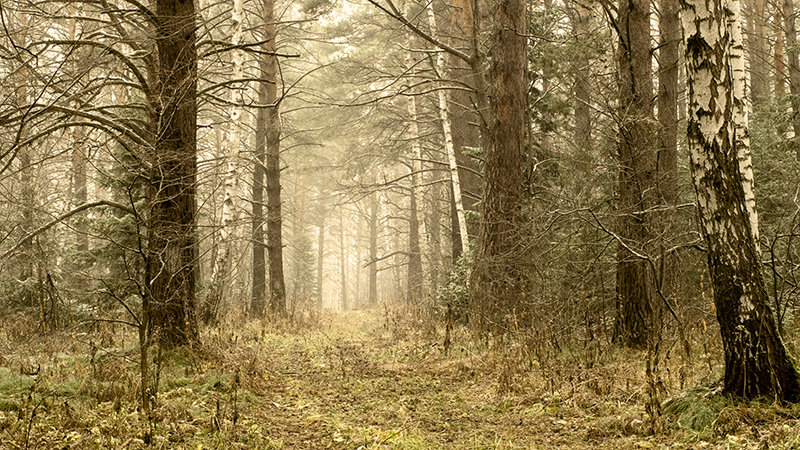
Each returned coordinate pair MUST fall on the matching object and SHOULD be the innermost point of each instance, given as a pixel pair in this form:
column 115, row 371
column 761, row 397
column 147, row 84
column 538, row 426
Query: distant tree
column 637, row 171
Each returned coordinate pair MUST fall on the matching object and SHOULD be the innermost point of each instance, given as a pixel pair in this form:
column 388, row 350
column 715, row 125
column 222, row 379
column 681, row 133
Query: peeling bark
column 756, row 361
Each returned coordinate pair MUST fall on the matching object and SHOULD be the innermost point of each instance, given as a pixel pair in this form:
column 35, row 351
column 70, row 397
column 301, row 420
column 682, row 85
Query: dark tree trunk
column 497, row 279
column 259, row 275
column 667, row 146
column 277, row 292
column 455, row 235
column 792, row 52
column 414, row 275
column 758, row 51
column 172, row 256
column 435, row 236
column 756, row 361
column 668, row 63
column 373, row 248
column 637, row 165
column 582, row 109
column 778, row 56
column 343, row 262
column 320, row 258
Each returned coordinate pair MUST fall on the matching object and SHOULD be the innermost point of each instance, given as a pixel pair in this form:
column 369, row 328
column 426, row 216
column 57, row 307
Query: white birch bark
column 740, row 112
column 228, row 153
column 444, row 116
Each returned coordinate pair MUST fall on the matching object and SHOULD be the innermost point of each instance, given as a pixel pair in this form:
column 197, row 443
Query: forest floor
column 361, row 379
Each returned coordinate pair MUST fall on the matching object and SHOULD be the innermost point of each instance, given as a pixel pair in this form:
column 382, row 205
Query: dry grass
column 367, row 379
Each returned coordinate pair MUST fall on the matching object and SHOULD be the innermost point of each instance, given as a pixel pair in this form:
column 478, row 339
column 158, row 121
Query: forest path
column 364, row 380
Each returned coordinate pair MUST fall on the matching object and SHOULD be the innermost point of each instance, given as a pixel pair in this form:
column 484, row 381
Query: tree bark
column 792, row 52
column 320, row 259
column 227, row 153
column 277, row 293
column 414, row 277
column 778, row 56
column 582, row 110
column 259, row 270
column 435, row 235
column 637, row 166
column 497, row 278
column 373, row 248
column 668, row 64
column 756, row 361
column 343, row 262
column 172, row 256
column 758, row 49
column 449, row 145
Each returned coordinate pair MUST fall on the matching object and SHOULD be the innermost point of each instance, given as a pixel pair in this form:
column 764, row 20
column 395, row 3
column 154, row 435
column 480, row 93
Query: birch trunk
column 228, row 153
column 756, row 361
column 444, row 116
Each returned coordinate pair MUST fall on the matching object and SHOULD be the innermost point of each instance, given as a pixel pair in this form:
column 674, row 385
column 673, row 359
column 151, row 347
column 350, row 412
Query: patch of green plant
column 9, row 405
column 696, row 409
column 12, row 382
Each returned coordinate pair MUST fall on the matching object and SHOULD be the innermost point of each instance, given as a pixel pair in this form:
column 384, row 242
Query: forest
column 399, row 224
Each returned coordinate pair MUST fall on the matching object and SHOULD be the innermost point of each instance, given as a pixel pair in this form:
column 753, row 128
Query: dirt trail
column 363, row 381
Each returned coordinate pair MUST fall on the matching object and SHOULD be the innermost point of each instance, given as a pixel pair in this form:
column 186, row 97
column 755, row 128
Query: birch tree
column 756, row 361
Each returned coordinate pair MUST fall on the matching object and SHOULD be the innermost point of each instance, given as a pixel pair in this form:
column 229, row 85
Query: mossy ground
column 360, row 379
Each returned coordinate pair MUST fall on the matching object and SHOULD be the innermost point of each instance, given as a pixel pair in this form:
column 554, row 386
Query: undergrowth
column 367, row 379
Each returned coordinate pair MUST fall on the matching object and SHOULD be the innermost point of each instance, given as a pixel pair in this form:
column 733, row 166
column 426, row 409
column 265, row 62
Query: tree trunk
column 450, row 149
column 299, row 290
column 637, row 165
column 227, row 153
column 320, row 258
column 435, row 236
column 497, row 278
column 343, row 262
column 759, row 51
column 668, row 64
column 455, row 236
column 792, row 52
column 582, row 110
column 373, row 248
column 259, row 278
column 414, row 280
column 756, row 362
column 778, row 57
column 277, row 292
column 667, row 145
column 172, row 256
